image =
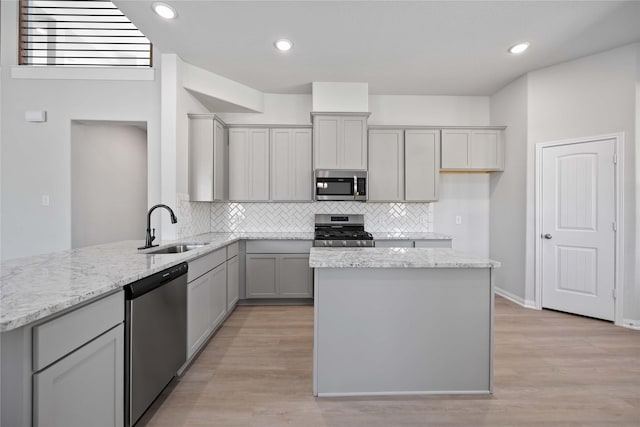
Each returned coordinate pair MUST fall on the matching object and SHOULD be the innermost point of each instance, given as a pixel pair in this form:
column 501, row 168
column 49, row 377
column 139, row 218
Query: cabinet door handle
column 548, row 236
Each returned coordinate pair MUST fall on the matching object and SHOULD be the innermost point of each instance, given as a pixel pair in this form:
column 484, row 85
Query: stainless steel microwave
column 331, row 184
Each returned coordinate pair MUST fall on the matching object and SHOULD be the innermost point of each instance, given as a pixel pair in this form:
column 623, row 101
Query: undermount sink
column 177, row 249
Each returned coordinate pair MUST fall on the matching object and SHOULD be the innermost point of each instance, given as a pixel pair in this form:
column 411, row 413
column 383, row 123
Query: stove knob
column 344, row 243
column 358, row 243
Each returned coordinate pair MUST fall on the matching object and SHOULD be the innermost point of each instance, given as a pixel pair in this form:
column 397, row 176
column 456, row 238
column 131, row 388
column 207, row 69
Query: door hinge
column 615, row 159
column 614, row 226
column 613, row 293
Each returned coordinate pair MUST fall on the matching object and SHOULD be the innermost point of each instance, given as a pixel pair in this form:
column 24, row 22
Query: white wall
column 278, row 109
column 467, row 196
column 594, row 95
column 340, row 97
column 36, row 156
column 508, row 197
column 429, row 110
column 108, row 183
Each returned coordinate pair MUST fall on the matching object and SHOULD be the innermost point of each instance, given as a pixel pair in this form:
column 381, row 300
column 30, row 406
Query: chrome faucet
column 152, row 235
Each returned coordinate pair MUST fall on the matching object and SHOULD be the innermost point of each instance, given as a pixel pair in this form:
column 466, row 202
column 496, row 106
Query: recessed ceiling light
column 164, row 10
column 519, row 48
column 283, row 44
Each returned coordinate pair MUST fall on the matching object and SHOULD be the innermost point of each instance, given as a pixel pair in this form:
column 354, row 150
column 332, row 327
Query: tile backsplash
column 197, row 218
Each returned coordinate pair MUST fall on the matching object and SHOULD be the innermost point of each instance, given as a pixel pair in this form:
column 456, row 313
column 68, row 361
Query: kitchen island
column 397, row 321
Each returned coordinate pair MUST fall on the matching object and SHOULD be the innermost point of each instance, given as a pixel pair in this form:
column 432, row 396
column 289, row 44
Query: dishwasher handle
column 140, row 287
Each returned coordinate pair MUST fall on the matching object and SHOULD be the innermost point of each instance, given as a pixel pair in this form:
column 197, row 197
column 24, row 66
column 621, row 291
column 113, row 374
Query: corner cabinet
column 208, row 158
column 404, row 165
column 278, row 269
column 472, row 150
column 340, row 140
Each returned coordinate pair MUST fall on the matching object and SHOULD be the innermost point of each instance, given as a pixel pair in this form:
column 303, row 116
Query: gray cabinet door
column 340, row 142
column 208, row 157
column 198, row 313
column 486, row 150
column 233, row 282
column 301, row 165
column 354, row 143
column 394, row 243
column 85, row 388
column 422, row 165
column 249, row 164
column 296, row 277
column 259, row 164
column 434, row 243
column 455, row 148
column 239, row 164
column 217, row 294
column 262, row 275
column 386, row 165
column 326, row 142
column 290, row 164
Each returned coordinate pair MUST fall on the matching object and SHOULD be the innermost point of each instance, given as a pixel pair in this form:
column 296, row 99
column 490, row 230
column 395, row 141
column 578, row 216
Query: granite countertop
column 408, row 235
column 396, row 258
column 35, row 287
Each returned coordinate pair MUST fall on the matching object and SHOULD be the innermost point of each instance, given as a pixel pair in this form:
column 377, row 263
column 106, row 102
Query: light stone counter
column 32, row 288
column 396, row 258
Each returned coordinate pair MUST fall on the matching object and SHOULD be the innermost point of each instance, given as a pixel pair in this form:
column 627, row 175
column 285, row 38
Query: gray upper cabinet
column 340, row 141
column 249, row 164
column 472, row 150
column 291, row 164
column 403, row 165
column 208, row 158
column 421, row 166
column 386, row 165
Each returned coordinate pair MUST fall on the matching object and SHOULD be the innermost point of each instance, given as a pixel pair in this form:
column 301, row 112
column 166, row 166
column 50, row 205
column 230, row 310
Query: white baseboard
column 515, row 298
column 629, row 323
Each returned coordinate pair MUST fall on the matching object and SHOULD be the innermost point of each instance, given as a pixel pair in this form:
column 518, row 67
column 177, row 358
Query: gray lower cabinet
column 85, row 388
column 67, row 370
column 233, row 282
column 206, row 298
column 278, row 276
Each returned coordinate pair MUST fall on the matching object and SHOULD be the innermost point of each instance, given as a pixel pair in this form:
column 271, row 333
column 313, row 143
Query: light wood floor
column 551, row 369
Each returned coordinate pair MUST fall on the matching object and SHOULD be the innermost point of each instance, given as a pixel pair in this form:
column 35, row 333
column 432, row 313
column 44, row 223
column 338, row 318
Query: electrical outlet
column 45, row 200
column 458, row 219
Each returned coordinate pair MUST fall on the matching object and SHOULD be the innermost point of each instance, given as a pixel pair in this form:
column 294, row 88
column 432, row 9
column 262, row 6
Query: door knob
column 548, row 236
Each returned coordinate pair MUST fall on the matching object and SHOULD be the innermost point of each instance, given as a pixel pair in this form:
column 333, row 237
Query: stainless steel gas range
column 341, row 231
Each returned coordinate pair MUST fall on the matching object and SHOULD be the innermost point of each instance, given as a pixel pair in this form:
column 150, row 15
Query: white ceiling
column 398, row 47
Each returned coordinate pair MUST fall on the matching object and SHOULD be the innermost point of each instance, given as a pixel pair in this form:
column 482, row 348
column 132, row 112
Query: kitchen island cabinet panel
column 85, row 388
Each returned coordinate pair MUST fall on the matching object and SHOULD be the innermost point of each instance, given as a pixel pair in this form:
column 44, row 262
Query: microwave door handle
column 355, row 186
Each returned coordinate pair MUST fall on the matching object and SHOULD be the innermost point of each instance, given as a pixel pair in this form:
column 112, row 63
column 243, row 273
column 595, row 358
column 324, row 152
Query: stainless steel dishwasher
column 155, row 337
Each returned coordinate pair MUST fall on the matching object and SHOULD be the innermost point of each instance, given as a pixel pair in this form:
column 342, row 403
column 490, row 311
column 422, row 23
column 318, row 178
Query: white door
column 578, row 237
